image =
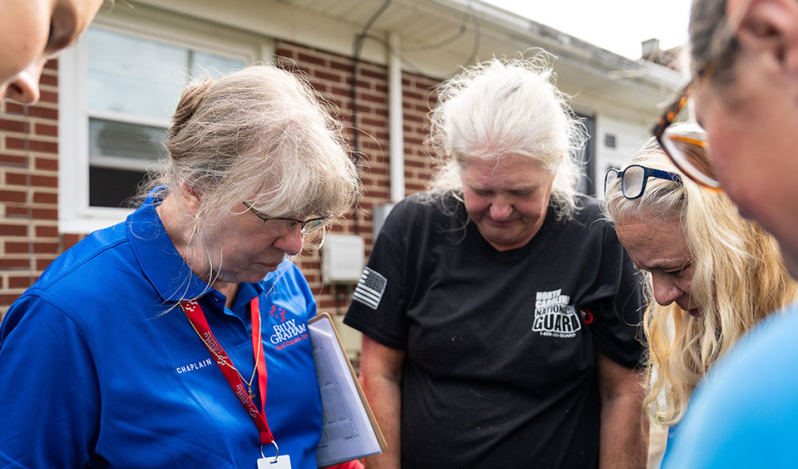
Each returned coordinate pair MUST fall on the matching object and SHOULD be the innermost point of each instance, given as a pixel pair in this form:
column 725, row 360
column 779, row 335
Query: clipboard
column 349, row 428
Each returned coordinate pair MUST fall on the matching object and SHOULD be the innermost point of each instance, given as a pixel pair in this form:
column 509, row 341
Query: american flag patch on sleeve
column 370, row 288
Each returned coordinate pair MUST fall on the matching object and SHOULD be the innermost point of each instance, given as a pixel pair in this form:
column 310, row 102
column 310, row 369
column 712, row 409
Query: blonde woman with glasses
column 713, row 275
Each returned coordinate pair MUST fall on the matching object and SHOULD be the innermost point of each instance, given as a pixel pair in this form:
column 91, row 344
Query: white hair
column 508, row 107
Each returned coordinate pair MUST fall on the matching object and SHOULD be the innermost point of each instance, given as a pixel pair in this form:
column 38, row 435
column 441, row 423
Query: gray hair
column 507, row 107
column 260, row 135
column 712, row 40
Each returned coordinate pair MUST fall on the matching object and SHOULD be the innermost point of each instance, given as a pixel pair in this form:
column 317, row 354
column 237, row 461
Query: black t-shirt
column 501, row 346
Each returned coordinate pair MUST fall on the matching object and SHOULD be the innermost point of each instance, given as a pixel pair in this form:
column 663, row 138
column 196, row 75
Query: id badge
column 282, row 462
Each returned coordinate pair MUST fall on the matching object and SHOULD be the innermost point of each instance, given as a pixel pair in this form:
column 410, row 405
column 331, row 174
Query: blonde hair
column 262, row 136
column 507, row 107
column 738, row 279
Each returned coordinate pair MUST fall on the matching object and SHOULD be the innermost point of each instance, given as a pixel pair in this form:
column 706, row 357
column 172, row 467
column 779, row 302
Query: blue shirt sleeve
column 46, row 357
column 745, row 414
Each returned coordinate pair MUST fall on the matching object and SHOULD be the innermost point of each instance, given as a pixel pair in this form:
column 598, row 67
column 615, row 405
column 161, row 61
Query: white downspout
column 396, row 120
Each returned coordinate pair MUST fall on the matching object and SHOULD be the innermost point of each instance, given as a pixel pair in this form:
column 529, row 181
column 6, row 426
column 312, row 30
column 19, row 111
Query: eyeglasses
column 681, row 148
column 277, row 226
column 634, row 178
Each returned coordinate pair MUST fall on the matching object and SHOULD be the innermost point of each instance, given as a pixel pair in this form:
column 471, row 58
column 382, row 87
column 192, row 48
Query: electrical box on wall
column 378, row 216
column 342, row 259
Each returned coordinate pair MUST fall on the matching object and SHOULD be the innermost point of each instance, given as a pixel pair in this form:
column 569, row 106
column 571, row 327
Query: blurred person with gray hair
column 500, row 313
column 744, row 64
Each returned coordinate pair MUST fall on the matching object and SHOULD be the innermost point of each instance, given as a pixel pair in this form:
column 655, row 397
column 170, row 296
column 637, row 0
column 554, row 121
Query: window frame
column 75, row 215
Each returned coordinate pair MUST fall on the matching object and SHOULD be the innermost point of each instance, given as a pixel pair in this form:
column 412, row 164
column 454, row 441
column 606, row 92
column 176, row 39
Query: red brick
column 43, row 112
column 35, row 180
column 13, row 107
column 51, row 64
column 44, row 181
column 375, row 122
column 6, row 300
column 50, row 97
column 71, row 239
column 372, row 98
column 343, row 92
column 311, row 59
column 42, row 263
column 11, row 125
column 360, row 83
column 17, row 212
column 45, row 197
column 21, row 282
column 13, row 196
column 31, row 145
column 14, row 264
column 12, row 160
column 45, row 214
column 9, row 229
column 47, row 164
column 46, row 231
column 49, row 80
column 344, row 67
column 46, row 129
column 13, row 247
column 372, row 74
column 333, row 77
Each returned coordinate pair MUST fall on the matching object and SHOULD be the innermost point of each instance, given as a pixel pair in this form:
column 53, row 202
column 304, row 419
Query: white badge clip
column 279, row 462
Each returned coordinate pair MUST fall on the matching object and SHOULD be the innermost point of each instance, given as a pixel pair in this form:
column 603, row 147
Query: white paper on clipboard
column 349, row 429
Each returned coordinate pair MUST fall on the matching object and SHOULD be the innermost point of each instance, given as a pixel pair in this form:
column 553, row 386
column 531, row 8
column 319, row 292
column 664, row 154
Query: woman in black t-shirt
column 499, row 310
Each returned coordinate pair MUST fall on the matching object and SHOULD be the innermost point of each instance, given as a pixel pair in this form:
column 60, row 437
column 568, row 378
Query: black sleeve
column 619, row 305
column 378, row 308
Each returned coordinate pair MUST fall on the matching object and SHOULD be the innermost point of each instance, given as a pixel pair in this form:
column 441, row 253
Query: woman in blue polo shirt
column 179, row 337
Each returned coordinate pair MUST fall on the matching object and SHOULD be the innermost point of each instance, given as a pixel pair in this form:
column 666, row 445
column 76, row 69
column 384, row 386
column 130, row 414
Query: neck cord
column 229, row 363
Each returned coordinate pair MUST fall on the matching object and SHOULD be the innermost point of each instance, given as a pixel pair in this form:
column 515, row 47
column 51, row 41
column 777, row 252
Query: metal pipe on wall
column 396, row 119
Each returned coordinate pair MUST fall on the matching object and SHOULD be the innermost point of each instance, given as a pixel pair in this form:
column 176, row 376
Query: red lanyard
column 197, row 319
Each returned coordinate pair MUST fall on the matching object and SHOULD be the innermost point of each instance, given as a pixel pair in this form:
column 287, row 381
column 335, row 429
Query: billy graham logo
column 288, row 332
column 554, row 317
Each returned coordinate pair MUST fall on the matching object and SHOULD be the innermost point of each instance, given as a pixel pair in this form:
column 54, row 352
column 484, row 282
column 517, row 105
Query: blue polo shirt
column 98, row 368
column 745, row 413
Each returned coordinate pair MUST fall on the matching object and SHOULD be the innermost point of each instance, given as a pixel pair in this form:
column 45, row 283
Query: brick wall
column 331, row 75
column 29, row 237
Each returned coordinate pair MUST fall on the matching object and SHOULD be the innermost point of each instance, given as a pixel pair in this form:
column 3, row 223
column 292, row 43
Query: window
column 587, row 157
column 135, row 84
column 129, row 74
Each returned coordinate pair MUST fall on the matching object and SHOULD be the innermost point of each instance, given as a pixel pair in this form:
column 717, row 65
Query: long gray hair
column 262, row 136
column 507, row 107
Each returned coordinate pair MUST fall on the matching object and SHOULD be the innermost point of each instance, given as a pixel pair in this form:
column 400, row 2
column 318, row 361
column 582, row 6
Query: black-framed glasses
column 633, row 179
column 681, row 148
column 278, row 226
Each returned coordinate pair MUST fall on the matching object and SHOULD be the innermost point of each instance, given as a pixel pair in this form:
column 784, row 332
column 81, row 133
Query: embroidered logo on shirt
column 370, row 288
column 288, row 333
column 554, row 317
column 278, row 313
